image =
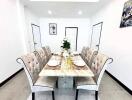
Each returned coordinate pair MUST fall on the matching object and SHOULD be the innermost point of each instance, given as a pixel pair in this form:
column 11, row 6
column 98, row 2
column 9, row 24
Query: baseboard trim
column 120, row 83
column 5, row 81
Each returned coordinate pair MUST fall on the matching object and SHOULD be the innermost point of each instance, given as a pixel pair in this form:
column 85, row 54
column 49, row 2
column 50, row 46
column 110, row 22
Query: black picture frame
column 52, row 28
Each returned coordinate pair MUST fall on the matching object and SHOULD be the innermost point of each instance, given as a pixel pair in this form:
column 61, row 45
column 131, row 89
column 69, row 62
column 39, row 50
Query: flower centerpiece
column 66, row 47
column 66, row 44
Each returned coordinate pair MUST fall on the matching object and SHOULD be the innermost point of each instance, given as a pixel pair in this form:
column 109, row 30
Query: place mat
column 80, row 67
column 56, row 55
column 75, row 55
column 47, row 67
column 74, row 67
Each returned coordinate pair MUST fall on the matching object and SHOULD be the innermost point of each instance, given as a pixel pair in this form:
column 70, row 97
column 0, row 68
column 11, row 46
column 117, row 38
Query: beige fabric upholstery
column 85, row 81
column 88, row 57
column 83, row 52
column 41, row 56
column 32, row 65
column 44, row 49
column 46, row 81
column 98, row 64
column 86, row 50
column 32, row 68
column 47, row 51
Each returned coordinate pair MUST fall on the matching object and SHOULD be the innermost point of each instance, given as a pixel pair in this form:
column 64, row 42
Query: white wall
column 115, row 41
column 54, row 41
column 11, row 39
column 30, row 18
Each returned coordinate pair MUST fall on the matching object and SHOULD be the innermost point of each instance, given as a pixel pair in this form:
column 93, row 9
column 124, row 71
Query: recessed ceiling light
column 49, row 12
column 79, row 12
column 69, row 0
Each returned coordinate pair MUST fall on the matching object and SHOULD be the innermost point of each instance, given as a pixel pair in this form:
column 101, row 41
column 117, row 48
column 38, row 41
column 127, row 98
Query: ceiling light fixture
column 49, row 12
column 79, row 12
column 68, row 0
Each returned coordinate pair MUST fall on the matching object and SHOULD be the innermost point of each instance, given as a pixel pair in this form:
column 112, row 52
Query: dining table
column 66, row 67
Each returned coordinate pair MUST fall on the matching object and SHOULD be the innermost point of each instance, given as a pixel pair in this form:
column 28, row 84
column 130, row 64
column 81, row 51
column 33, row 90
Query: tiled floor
column 18, row 89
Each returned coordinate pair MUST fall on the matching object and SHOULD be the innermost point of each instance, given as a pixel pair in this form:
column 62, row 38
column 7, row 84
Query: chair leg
column 57, row 84
column 96, row 95
column 74, row 83
column 53, row 96
column 33, row 95
column 76, row 94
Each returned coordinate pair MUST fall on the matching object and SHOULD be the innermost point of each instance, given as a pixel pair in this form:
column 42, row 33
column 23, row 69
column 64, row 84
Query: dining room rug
column 64, row 94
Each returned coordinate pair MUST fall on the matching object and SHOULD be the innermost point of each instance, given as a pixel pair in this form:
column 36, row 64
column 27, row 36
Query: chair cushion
column 85, row 81
column 46, row 81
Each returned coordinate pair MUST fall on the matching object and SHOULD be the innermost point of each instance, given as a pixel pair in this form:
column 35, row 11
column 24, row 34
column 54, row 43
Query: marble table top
column 66, row 67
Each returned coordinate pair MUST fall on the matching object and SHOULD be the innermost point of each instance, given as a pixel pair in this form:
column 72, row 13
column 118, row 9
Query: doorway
column 96, row 36
column 36, row 36
column 72, row 34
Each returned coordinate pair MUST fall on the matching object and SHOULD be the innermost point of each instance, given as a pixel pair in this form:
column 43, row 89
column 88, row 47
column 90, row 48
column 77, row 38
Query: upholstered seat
column 98, row 66
column 32, row 68
column 46, row 81
column 84, row 81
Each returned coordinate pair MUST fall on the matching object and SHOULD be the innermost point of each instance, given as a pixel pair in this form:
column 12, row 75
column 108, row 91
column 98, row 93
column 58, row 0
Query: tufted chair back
column 31, row 67
column 83, row 52
column 92, row 58
column 44, row 49
column 89, row 55
column 48, row 50
column 86, row 50
column 41, row 56
column 98, row 66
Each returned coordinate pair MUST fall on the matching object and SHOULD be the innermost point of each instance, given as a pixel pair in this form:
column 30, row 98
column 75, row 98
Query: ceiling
column 65, row 9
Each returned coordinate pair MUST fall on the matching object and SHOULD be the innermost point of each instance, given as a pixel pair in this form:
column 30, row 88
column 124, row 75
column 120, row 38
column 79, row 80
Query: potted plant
column 66, row 47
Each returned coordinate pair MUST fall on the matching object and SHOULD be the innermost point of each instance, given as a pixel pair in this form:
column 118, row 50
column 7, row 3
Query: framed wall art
column 126, row 19
column 52, row 28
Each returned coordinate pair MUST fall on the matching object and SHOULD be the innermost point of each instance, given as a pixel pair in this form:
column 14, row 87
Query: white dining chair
column 99, row 64
column 48, row 51
column 83, row 52
column 42, row 59
column 32, row 69
column 90, row 55
column 41, row 56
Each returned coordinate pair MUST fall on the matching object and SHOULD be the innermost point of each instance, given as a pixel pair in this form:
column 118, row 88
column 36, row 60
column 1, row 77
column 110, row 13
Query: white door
column 96, row 35
column 36, row 36
column 71, row 33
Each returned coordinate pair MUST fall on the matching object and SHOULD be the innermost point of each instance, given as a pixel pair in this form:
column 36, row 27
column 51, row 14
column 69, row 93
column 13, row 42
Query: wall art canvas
column 52, row 28
column 126, row 19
